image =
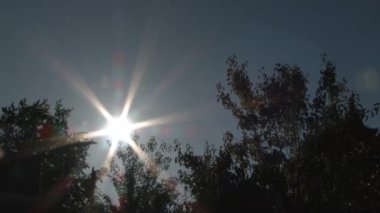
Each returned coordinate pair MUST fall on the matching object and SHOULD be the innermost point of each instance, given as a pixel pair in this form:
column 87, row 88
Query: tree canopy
column 296, row 150
column 139, row 174
column 41, row 161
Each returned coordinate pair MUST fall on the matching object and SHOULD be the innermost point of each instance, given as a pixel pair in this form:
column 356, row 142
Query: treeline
column 296, row 151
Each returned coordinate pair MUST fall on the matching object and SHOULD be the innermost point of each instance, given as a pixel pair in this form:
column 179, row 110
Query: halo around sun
column 119, row 129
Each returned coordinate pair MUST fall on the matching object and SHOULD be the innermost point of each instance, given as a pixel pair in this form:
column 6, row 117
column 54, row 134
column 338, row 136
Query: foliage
column 31, row 132
column 295, row 152
column 141, row 180
column 342, row 155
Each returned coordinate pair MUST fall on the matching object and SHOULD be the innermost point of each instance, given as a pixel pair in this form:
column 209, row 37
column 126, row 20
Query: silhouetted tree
column 139, row 175
column 341, row 163
column 294, row 152
column 41, row 161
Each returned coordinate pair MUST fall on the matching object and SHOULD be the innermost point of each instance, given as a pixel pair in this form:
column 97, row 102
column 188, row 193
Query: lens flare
column 119, row 129
column 171, row 118
column 76, row 81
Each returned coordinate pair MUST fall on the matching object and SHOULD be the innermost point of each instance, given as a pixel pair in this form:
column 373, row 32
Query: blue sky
column 182, row 46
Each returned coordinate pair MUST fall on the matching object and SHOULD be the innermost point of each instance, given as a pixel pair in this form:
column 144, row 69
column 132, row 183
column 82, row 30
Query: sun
column 119, row 129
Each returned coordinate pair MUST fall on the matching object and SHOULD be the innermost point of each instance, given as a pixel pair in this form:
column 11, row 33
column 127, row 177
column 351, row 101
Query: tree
column 38, row 149
column 138, row 174
column 342, row 155
column 295, row 152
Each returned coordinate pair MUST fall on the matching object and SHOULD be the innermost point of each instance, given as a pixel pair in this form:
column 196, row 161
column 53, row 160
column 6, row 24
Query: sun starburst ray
column 142, row 62
column 76, row 81
column 175, row 117
column 140, row 153
column 110, row 154
column 143, row 59
column 94, row 134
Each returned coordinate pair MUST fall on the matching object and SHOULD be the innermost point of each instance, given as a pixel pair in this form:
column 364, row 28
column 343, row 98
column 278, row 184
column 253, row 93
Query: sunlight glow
column 119, row 129
column 94, row 134
column 175, row 117
column 132, row 92
column 140, row 153
column 70, row 76
column 140, row 68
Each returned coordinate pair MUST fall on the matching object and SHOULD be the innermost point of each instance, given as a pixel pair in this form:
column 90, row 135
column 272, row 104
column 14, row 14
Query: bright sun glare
column 119, row 129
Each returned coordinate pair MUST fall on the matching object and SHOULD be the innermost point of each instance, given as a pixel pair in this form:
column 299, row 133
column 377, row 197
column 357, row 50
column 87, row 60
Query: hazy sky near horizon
column 180, row 47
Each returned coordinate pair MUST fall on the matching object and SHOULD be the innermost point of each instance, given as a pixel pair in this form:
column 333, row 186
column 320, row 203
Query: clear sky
column 179, row 48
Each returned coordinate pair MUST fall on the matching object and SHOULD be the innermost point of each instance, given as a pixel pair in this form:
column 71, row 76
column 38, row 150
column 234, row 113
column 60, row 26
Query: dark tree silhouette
column 141, row 181
column 341, row 163
column 41, row 163
column 294, row 152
